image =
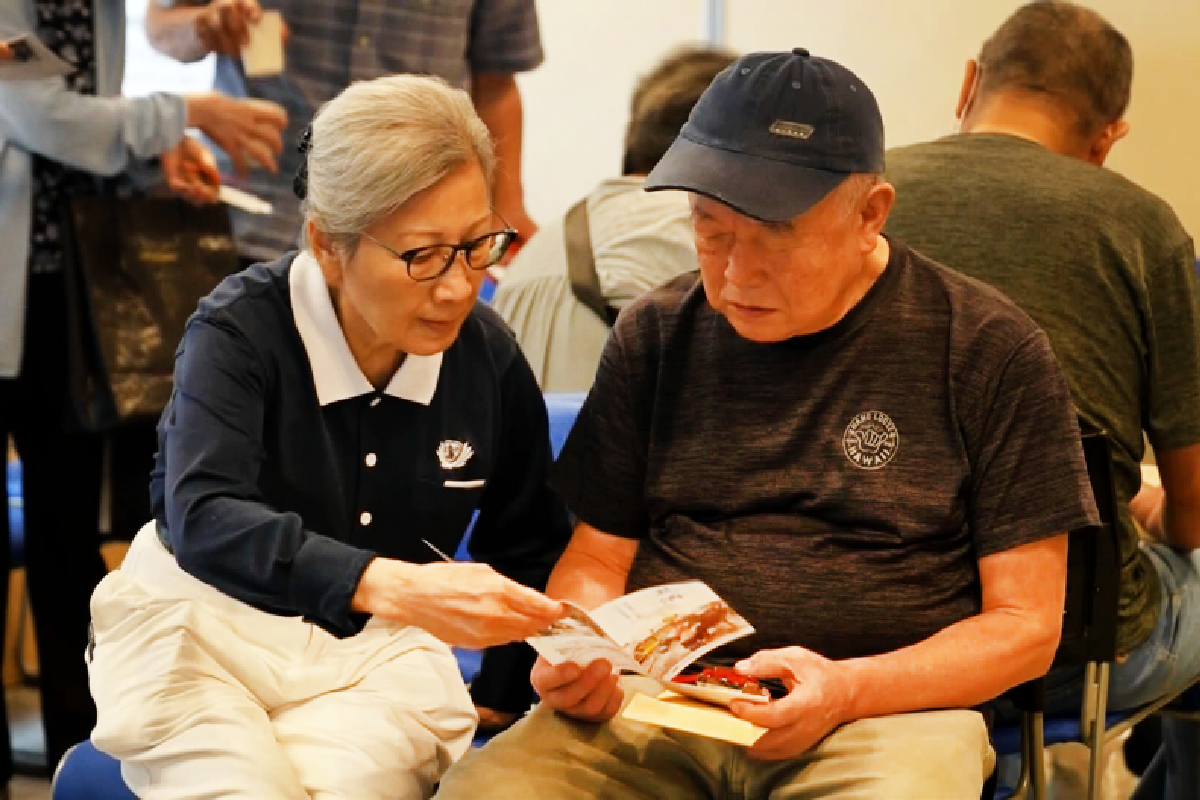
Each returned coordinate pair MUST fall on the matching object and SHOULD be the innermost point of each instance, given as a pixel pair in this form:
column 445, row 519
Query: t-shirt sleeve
column 505, row 36
column 601, row 472
column 1174, row 358
column 1029, row 478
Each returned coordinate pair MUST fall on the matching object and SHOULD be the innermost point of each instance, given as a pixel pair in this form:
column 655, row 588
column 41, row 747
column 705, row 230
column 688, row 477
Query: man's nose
column 742, row 266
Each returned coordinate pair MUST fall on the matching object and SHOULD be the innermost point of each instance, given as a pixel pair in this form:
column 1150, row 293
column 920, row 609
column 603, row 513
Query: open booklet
column 658, row 632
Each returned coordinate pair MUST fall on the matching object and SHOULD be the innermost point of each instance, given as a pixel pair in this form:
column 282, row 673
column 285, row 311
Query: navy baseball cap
column 773, row 134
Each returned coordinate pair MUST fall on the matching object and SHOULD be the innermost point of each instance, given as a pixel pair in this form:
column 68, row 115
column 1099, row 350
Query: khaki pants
column 200, row 695
column 933, row 755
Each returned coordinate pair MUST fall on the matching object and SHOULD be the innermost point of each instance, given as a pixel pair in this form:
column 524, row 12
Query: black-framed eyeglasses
column 434, row 260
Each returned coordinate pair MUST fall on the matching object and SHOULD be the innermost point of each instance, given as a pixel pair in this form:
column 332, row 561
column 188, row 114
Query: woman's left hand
column 191, row 171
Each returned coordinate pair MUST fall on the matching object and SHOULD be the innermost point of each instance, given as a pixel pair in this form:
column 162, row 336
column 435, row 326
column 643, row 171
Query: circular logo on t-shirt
column 871, row 440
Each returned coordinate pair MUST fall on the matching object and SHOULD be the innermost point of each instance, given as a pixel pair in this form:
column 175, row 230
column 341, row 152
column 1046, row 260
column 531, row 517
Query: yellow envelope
column 670, row 710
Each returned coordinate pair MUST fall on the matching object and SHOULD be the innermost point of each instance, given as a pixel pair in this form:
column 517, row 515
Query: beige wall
column 911, row 54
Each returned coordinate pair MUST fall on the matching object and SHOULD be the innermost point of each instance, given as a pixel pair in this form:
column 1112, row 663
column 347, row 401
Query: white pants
column 201, row 696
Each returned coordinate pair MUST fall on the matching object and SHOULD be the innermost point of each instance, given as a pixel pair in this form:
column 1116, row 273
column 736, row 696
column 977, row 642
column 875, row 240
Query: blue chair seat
column 87, row 774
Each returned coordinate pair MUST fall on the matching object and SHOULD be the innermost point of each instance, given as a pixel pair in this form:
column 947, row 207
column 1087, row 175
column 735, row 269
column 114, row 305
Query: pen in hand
column 431, row 546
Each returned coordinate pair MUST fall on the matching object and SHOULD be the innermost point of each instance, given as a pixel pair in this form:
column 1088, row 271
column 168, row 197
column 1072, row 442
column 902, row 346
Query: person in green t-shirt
column 1019, row 198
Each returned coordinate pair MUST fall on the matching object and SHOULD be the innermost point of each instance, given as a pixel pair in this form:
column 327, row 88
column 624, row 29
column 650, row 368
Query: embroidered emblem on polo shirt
column 452, row 454
column 871, row 440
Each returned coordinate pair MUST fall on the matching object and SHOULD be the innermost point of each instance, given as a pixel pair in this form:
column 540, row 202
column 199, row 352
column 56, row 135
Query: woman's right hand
column 463, row 604
column 249, row 131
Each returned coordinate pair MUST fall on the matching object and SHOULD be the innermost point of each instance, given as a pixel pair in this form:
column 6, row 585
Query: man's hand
column 248, row 130
column 191, row 172
column 223, row 26
column 463, row 604
column 587, row 693
column 816, row 703
column 5, row 52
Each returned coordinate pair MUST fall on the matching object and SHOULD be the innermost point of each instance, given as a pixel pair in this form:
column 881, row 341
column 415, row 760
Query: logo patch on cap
column 794, row 130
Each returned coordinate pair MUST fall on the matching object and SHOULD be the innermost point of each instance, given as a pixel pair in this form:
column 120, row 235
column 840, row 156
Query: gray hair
column 382, row 141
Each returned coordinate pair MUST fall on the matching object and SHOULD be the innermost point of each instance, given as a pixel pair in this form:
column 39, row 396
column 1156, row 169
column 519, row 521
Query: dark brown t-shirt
column 839, row 488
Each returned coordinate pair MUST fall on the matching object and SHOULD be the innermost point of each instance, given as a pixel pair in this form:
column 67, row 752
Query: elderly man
column 871, row 457
column 1020, row 199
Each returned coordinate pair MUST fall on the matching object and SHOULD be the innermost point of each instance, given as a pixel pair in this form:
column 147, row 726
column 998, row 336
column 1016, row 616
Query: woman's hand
column 191, row 172
column 248, row 130
column 466, row 605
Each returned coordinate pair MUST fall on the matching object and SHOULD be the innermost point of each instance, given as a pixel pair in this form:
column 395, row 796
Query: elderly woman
column 279, row 631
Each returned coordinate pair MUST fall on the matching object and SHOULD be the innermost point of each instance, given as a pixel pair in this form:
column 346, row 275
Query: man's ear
column 968, row 91
column 1103, row 143
column 875, row 209
column 327, row 255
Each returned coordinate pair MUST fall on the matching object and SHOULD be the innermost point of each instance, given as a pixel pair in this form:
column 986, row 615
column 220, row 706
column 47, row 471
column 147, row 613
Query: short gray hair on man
column 851, row 192
column 382, row 141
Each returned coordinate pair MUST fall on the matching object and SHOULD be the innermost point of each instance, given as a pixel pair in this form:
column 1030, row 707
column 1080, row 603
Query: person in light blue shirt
column 57, row 136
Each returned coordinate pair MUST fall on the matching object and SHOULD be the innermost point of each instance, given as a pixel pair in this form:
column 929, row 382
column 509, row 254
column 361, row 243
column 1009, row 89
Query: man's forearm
column 1178, row 525
column 498, row 103
column 172, row 31
column 963, row 665
column 583, row 581
column 593, row 569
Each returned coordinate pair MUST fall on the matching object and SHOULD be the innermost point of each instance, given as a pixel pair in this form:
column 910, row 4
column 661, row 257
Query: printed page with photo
column 657, row 631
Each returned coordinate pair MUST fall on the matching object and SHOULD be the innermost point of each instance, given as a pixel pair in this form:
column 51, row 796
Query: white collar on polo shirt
column 335, row 372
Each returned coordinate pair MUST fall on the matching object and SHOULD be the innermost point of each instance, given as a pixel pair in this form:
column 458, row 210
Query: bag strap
column 581, row 263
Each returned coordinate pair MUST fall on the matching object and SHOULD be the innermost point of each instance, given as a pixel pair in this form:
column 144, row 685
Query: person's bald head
column 1065, row 53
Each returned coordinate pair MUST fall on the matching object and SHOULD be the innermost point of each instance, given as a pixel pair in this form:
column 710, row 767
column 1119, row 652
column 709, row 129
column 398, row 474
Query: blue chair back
column 563, row 408
column 16, row 513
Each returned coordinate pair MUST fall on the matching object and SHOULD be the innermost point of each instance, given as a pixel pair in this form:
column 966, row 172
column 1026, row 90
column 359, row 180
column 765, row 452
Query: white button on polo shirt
column 371, row 459
column 365, row 518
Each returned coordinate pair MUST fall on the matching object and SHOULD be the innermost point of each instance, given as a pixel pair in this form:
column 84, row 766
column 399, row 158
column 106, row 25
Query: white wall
column 910, row 53
column 576, row 103
column 147, row 70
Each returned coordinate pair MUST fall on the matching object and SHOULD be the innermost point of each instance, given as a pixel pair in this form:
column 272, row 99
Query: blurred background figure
column 476, row 44
column 58, row 136
column 637, row 239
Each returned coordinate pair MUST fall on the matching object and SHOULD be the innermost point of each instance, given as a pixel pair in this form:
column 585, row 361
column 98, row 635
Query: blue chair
column 85, row 772
column 563, row 408
column 16, row 513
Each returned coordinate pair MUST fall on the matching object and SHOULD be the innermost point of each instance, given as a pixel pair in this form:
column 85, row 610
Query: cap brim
column 762, row 188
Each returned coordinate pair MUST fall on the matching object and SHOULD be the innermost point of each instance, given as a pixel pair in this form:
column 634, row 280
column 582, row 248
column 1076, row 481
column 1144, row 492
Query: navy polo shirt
column 282, row 472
